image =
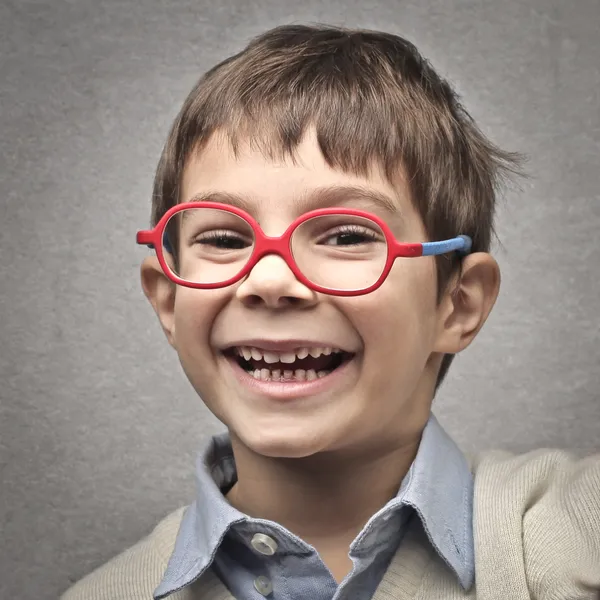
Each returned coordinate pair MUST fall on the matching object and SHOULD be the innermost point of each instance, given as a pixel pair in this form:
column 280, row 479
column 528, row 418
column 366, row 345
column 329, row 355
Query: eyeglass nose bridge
column 265, row 245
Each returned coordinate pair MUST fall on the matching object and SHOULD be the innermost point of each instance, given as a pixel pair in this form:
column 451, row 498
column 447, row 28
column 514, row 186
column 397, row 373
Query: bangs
column 351, row 132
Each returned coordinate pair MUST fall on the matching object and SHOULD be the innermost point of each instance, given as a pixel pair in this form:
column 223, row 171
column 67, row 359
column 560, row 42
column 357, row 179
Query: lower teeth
column 288, row 375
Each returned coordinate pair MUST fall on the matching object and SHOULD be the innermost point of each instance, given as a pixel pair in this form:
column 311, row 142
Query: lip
column 292, row 390
column 286, row 345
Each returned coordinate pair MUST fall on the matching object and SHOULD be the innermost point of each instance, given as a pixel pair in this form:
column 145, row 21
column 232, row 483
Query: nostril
column 272, row 301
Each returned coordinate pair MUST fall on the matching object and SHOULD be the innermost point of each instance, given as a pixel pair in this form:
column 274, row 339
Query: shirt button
column 264, row 544
column 263, row 585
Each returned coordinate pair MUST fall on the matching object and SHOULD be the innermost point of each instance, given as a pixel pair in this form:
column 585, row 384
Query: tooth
column 270, row 357
column 315, row 352
column 256, row 374
column 246, row 353
column 256, row 353
column 327, row 351
column 302, row 353
column 287, row 374
column 275, row 374
column 287, row 357
column 311, row 374
column 265, row 374
column 300, row 375
column 321, row 374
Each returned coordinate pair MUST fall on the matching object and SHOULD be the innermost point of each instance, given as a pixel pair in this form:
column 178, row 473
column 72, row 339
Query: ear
column 467, row 302
column 160, row 291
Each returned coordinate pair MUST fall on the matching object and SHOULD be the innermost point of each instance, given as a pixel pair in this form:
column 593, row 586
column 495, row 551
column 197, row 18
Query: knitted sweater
column 536, row 528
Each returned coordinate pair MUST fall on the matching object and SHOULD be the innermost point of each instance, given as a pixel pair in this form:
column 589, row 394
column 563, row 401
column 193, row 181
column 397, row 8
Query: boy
column 322, row 217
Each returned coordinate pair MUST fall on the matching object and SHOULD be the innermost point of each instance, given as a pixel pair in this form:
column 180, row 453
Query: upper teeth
column 284, row 357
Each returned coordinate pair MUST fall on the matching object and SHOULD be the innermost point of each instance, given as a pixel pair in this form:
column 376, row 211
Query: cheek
column 195, row 313
column 397, row 321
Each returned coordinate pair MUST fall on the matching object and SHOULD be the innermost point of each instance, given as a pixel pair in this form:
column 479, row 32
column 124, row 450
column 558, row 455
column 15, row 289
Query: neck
column 325, row 499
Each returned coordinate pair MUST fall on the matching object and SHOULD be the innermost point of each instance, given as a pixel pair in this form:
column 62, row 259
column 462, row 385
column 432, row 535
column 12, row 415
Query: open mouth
column 302, row 364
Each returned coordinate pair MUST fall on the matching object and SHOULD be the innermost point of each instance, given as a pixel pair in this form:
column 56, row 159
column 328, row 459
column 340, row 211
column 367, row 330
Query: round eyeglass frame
column 281, row 246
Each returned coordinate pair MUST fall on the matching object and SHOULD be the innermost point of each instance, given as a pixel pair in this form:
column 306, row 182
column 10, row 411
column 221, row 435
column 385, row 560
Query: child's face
column 394, row 333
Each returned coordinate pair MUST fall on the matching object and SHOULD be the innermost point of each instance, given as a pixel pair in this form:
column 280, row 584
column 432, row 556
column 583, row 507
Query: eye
column 223, row 240
column 350, row 235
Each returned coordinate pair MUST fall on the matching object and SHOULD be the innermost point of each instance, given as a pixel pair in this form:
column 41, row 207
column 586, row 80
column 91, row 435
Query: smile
column 302, row 364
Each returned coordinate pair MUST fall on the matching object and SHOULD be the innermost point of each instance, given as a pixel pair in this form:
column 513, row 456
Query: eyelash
column 353, row 229
column 214, row 236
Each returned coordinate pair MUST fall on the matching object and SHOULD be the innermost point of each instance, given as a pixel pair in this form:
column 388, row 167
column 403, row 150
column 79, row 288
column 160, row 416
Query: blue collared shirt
column 438, row 490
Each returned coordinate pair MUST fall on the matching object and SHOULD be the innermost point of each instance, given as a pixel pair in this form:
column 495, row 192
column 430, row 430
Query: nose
column 272, row 284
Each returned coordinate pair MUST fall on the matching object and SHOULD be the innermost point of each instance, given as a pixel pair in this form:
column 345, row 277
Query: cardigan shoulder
column 135, row 573
column 548, row 503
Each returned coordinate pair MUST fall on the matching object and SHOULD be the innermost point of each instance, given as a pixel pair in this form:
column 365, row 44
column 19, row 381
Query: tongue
column 322, row 363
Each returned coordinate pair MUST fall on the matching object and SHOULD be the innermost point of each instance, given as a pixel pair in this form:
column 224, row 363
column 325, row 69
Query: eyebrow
column 223, row 198
column 317, row 198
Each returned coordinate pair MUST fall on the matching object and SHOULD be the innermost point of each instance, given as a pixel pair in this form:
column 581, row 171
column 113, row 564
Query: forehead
column 289, row 186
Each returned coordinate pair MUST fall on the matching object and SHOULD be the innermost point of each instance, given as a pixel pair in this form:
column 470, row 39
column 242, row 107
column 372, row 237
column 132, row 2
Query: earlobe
column 160, row 292
column 467, row 303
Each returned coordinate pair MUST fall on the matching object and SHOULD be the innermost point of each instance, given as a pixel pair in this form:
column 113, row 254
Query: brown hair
column 372, row 99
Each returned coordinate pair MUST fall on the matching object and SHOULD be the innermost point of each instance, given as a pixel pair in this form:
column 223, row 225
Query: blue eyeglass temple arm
column 461, row 244
column 166, row 244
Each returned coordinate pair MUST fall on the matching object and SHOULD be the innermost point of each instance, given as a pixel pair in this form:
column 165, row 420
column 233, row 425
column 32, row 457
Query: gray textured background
column 98, row 426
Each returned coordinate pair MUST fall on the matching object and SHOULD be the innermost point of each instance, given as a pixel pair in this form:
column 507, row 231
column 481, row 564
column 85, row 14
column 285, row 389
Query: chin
column 293, row 442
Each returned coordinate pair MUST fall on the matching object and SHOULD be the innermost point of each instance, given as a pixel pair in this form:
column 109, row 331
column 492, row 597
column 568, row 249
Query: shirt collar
column 438, row 485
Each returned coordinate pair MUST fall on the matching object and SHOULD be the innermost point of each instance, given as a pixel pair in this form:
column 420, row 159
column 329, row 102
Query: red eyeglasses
column 338, row 251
